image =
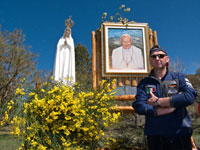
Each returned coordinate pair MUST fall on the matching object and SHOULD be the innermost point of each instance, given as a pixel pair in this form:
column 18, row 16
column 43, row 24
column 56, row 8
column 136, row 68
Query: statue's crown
column 69, row 22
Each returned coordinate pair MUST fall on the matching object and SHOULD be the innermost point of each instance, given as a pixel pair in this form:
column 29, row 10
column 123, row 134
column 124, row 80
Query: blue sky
column 177, row 24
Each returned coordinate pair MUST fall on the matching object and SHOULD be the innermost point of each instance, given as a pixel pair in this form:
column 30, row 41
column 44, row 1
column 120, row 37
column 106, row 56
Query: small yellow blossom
column 42, row 90
column 52, row 78
column 19, row 91
column 31, row 94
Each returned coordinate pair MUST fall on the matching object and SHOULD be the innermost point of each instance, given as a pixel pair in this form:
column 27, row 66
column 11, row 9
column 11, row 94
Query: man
column 163, row 97
column 64, row 65
column 127, row 56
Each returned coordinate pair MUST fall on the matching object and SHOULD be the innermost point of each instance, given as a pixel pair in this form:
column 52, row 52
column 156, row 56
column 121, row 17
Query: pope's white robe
column 119, row 57
column 64, row 64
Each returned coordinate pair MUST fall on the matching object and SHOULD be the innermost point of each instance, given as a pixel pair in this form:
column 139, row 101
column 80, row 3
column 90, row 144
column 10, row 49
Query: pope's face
column 126, row 42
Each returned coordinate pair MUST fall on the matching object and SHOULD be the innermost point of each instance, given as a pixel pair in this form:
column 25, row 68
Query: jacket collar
column 152, row 75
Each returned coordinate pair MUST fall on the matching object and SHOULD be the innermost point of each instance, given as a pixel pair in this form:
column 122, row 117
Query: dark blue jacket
column 176, row 86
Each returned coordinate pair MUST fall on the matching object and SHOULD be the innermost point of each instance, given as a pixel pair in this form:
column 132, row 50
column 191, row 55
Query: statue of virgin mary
column 64, row 64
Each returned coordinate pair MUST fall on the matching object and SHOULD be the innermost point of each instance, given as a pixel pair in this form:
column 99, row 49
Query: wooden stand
column 121, row 81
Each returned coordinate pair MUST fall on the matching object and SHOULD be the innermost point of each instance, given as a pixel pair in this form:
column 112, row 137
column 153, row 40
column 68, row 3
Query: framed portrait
column 125, row 49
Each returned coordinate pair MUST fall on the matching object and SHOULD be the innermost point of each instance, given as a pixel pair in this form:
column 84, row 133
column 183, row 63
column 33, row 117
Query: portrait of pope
column 126, row 49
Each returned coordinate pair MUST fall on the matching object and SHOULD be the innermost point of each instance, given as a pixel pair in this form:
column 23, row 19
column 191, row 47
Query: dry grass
column 8, row 141
column 196, row 131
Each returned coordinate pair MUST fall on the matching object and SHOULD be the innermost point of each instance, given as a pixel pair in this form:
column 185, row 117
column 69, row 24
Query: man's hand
column 164, row 105
column 163, row 102
column 151, row 101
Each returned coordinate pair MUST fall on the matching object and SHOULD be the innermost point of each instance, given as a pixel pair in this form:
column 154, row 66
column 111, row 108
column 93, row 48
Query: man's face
column 126, row 42
column 158, row 60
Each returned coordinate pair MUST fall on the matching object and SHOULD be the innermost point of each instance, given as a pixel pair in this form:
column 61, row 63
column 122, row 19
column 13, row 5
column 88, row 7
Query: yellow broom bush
column 58, row 116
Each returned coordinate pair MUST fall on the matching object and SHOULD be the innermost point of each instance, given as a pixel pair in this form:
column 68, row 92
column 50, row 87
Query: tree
column 83, row 66
column 195, row 80
column 17, row 65
column 176, row 65
column 198, row 71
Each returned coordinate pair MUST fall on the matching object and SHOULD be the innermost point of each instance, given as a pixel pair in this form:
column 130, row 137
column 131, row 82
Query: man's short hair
column 156, row 48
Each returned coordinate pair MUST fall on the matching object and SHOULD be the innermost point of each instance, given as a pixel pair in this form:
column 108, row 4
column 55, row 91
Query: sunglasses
column 159, row 56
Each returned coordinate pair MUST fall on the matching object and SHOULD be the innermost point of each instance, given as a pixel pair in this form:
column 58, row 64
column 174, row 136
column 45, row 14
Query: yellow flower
column 42, row 90
column 62, row 139
column 113, row 140
column 19, row 91
column 22, row 80
column 17, row 131
column 97, row 137
column 9, row 108
column 12, row 102
column 85, row 129
column 93, row 107
column 34, row 143
column 6, row 116
column 68, row 118
column 31, row 94
column 62, row 128
column 52, row 78
column 41, row 147
column 22, row 93
column 66, row 144
column 66, row 132
column 105, row 124
column 28, row 138
column 20, row 148
column 101, row 132
column 91, row 101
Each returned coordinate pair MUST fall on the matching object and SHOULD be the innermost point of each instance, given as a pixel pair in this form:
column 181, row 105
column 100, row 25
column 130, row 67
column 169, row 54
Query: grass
column 8, row 141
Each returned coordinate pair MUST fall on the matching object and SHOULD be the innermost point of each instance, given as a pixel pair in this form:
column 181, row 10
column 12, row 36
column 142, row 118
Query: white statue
column 64, row 64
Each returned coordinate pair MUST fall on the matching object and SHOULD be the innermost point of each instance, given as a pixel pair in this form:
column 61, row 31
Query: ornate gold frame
column 129, row 28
